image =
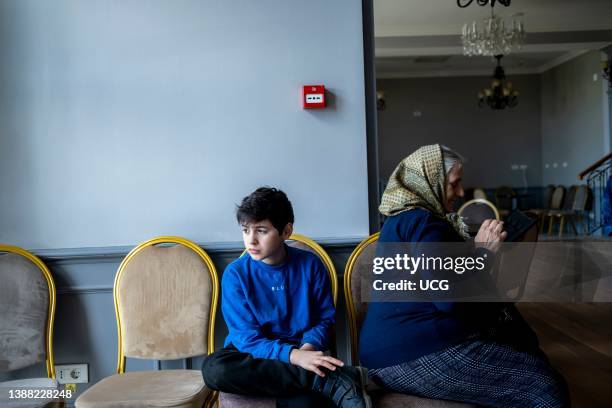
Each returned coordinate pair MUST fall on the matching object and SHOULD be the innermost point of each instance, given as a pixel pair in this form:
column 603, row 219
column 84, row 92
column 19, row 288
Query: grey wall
column 492, row 141
column 122, row 120
column 572, row 118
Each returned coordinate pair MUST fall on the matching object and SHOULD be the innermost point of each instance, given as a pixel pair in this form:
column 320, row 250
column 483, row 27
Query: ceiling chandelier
column 501, row 94
column 493, row 38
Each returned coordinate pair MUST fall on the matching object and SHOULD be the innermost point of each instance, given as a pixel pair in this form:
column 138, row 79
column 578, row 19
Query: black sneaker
column 345, row 386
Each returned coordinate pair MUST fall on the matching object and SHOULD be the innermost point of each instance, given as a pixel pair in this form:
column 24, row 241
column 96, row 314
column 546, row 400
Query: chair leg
column 570, row 220
column 561, row 224
column 550, row 224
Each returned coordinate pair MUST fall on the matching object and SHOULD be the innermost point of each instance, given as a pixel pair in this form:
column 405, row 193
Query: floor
column 577, row 337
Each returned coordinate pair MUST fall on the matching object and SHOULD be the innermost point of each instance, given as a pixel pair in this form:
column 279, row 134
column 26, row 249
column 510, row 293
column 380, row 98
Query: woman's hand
column 313, row 360
column 490, row 235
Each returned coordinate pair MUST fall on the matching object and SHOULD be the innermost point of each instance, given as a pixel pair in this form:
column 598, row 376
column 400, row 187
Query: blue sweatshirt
column 269, row 310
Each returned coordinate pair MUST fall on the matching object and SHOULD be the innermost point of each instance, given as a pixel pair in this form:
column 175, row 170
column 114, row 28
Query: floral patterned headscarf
column 419, row 181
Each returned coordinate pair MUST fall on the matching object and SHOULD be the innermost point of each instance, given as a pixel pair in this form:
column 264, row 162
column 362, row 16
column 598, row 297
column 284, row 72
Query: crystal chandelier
column 493, row 38
column 501, row 94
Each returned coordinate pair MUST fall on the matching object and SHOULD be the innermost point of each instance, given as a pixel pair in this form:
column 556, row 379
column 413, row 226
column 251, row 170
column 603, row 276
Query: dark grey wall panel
column 444, row 110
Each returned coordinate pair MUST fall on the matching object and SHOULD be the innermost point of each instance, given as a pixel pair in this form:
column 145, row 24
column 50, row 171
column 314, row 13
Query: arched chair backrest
column 568, row 200
column 548, row 194
column 480, row 193
column 475, row 211
column 504, row 196
column 359, row 264
column 166, row 292
column 581, row 197
column 557, row 198
column 27, row 302
column 303, row 242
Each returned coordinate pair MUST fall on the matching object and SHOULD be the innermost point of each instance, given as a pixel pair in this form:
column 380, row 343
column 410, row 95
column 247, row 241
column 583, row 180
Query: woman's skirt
column 485, row 373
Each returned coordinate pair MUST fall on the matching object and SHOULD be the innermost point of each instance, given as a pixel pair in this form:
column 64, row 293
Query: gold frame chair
column 578, row 205
column 348, row 295
column 214, row 296
column 49, row 362
column 480, row 201
column 480, row 192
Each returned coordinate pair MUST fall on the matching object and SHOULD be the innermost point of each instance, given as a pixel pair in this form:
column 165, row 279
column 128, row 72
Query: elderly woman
column 450, row 350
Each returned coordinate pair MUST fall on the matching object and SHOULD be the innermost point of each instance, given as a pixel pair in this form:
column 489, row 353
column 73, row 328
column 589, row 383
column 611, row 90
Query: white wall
column 122, row 120
column 572, row 118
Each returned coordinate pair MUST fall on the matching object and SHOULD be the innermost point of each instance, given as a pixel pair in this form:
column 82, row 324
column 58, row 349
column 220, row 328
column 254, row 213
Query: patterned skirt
column 484, row 373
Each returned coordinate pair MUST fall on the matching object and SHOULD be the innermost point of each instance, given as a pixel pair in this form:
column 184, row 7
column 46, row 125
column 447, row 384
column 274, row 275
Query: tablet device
column 517, row 224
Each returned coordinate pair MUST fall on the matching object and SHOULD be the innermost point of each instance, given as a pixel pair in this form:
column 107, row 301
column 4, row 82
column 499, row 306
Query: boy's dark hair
column 266, row 203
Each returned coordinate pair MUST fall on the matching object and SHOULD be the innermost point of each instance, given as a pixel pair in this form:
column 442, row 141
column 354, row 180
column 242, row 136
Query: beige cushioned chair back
column 480, row 193
column 164, row 295
column 24, row 304
column 548, row 194
column 478, row 210
column 568, row 200
column 580, row 198
column 557, row 198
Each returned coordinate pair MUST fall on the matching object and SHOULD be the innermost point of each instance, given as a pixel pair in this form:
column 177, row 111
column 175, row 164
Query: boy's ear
column 287, row 231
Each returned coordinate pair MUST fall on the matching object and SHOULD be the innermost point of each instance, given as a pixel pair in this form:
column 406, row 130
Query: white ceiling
column 557, row 30
column 443, row 17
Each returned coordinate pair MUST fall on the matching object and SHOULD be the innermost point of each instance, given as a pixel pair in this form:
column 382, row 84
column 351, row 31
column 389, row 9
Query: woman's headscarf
column 419, row 181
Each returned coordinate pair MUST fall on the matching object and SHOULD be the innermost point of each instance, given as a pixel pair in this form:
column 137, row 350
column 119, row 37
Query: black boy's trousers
column 229, row 370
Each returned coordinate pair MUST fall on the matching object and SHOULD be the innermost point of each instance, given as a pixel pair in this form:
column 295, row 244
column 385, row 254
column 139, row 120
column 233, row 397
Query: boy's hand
column 313, row 360
column 308, row 346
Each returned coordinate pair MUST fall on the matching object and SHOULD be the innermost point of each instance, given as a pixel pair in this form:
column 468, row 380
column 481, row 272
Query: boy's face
column 263, row 242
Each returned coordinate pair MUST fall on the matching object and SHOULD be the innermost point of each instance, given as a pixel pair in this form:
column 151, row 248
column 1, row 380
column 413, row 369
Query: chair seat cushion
column 26, row 383
column 393, row 399
column 379, row 399
column 227, row 400
column 166, row 388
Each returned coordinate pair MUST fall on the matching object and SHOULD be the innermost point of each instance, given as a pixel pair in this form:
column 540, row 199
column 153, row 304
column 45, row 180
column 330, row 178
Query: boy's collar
column 280, row 264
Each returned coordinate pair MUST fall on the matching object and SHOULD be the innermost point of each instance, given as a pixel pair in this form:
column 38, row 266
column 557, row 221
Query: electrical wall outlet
column 72, row 373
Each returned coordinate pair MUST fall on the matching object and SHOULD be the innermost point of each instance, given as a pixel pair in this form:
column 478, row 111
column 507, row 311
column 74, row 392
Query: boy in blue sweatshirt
column 278, row 307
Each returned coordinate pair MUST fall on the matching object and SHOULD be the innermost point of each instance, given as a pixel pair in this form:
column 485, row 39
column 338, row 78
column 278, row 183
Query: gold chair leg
column 570, row 220
column 550, row 224
column 561, row 224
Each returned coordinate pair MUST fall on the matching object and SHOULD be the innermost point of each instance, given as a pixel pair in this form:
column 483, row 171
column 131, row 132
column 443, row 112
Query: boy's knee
column 213, row 372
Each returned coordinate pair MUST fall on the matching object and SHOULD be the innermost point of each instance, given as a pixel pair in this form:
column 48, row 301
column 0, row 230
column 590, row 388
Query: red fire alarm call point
column 313, row 96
